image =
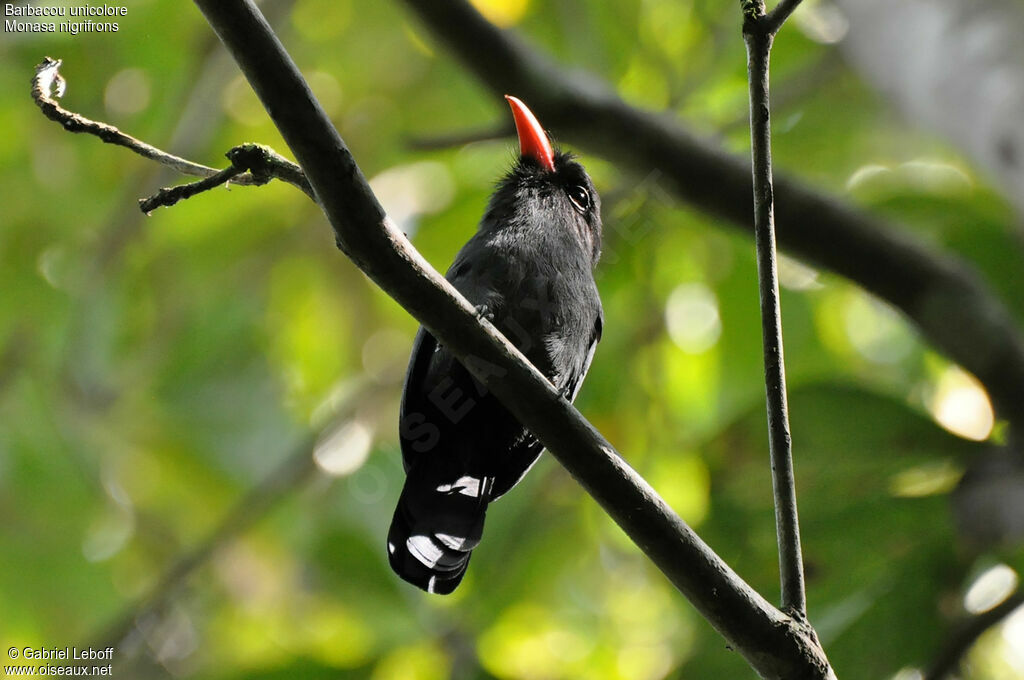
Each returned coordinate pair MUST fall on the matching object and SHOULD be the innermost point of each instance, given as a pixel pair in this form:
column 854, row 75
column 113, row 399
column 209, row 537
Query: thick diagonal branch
column 774, row 644
column 947, row 300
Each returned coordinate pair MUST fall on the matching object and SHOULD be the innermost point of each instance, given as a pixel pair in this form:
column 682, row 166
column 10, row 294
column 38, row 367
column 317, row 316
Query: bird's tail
column 435, row 528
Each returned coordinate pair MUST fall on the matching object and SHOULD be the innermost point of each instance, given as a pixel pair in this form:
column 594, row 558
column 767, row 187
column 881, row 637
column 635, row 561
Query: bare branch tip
column 168, row 196
column 48, row 82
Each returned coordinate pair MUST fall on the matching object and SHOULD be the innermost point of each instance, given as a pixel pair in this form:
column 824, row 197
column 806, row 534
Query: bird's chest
column 544, row 294
column 548, row 317
column 537, row 289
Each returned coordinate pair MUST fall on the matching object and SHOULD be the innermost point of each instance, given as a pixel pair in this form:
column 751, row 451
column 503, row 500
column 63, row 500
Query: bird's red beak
column 533, row 142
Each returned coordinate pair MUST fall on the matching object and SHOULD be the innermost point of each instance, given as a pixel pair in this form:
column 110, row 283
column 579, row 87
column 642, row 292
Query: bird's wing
column 595, row 337
column 414, row 426
column 572, row 361
column 525, row 452
column 421, row 424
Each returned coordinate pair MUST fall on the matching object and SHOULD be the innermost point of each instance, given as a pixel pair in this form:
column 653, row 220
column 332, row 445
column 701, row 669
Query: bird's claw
column 484, row 312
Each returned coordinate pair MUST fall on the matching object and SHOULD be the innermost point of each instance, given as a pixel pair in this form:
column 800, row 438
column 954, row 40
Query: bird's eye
column 580, row 198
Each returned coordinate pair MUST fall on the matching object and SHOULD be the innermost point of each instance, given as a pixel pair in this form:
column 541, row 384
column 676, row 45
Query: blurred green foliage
column 154, row 369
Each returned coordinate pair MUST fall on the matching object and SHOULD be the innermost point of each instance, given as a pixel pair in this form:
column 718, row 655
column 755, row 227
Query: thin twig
column 963, row 637
column 48, row 84
column 758, row 35
column 776, row 645
column 194, row 127
column 778, row 15
column 261, row 162
column 168, row 196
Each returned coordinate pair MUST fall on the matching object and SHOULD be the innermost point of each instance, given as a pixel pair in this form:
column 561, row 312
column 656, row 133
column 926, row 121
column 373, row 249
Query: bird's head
column 547, row 188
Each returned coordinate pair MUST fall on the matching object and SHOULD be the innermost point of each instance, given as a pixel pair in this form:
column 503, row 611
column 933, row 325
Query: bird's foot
column 484, row 312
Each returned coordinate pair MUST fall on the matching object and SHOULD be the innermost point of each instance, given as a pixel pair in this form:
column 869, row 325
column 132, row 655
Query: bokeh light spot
column 925, row 480
column 320, row 20
column 795, row 275
column 422, row 661
column 822, row 22
column 961, row 405
column 327, row 90
column 241, row 103
column 503, row 13
column 691, row 316
column 876, row 331
column 407, row 191
column 127, row 92
column 992, row 586
column 344, row 449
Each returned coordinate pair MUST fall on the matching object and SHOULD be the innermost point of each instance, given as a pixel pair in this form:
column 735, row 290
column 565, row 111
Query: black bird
column 529, row 269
